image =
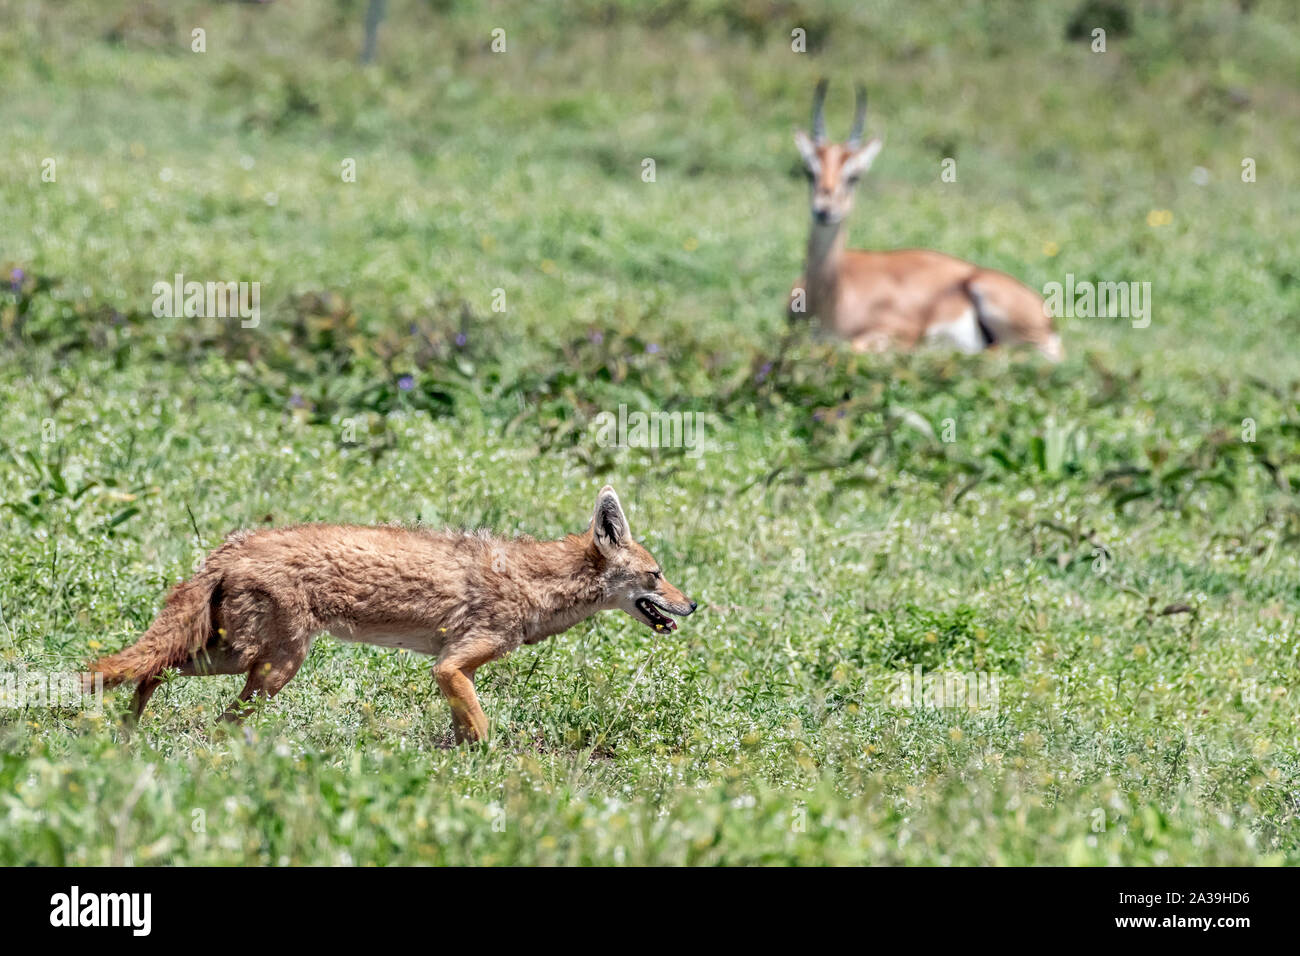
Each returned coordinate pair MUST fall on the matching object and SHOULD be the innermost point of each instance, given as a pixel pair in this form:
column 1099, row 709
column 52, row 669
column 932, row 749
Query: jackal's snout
column 651, row 607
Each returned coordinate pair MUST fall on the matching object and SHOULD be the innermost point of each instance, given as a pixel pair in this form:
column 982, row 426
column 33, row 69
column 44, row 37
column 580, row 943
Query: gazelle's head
column 834, row 168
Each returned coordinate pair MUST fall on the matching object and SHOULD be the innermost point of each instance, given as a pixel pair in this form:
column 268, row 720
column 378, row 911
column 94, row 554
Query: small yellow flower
column 1050, row 248
column 137, row 150
column 548, row 267
column 691, row 244
column 109, row 203
column 955, row 734
column 1159, row 217
column 94, row 645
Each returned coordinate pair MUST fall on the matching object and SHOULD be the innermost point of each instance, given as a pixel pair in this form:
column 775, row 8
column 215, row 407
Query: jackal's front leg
column 455, row 673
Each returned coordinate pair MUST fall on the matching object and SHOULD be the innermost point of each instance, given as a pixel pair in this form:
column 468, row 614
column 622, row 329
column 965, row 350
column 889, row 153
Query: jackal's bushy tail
column 182, row 628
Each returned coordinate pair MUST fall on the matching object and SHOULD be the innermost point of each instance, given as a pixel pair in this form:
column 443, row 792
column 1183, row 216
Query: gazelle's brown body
column 903, row 298
column 467, row 599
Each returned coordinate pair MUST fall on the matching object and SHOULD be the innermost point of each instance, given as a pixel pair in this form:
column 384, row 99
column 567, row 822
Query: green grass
column 833, row 537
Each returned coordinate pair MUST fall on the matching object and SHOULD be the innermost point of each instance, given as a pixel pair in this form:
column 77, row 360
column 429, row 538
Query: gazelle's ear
column 807, row 150
column 609, row 528
column 861, row 161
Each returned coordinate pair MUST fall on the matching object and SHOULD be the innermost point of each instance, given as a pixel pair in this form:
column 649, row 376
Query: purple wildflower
column 596, row 336
column 297, row 401
column 461, row 339
column 652, row 348
column 406, row 383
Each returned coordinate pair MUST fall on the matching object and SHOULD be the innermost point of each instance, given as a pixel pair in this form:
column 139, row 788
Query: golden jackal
column 467, row 598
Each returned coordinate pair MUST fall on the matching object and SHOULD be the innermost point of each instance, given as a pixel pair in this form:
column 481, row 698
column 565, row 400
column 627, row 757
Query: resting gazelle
column 903, row 298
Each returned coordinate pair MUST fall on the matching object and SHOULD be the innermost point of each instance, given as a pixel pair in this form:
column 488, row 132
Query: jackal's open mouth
column 660, row 622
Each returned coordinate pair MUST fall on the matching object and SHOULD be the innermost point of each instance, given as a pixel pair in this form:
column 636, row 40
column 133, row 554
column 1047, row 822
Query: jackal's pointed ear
column 609, row 528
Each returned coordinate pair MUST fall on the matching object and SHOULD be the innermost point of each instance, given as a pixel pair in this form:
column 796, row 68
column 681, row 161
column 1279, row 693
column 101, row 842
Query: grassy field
column 1110, row 543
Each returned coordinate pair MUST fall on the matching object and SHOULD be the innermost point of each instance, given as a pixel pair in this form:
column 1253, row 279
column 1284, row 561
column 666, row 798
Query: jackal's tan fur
column 466, row 598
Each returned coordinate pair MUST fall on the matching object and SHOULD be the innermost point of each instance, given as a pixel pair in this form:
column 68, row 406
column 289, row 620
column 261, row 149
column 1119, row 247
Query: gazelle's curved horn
column 818, row 115
column 859, row 117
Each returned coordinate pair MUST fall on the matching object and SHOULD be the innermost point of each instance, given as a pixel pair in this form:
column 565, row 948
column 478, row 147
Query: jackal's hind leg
column 219, row 661
column 266, row 677
column 143, row 691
